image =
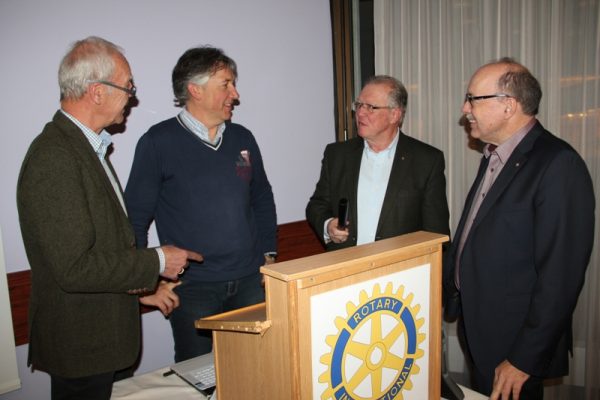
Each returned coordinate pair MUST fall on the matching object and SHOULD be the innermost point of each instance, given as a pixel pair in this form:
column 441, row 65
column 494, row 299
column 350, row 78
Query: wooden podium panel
column 358, row 323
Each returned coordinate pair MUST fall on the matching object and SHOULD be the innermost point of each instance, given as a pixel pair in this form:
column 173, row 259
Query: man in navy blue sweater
column 201, row 179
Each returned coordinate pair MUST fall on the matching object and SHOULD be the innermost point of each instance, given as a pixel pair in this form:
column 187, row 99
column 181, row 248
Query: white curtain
column 434, row 46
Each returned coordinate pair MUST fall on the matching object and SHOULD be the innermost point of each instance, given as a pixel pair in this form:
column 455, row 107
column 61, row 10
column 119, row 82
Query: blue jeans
column 202, row 299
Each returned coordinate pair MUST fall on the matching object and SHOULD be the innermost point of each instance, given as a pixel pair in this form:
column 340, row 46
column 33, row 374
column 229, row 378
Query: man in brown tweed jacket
column 86, row 272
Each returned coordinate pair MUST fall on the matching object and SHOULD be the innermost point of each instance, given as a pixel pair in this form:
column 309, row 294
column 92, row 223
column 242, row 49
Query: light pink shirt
column 498, row 156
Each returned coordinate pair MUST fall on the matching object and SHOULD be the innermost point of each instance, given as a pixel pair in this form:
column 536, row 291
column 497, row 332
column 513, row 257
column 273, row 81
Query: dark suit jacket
column 83, row 260
column 524, row 261
column 415, row 198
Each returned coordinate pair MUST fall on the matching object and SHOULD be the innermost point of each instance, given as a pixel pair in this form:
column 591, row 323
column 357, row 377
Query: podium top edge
column 313, row 265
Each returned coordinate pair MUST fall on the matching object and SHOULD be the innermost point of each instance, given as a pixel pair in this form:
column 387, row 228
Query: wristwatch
column 271, row 254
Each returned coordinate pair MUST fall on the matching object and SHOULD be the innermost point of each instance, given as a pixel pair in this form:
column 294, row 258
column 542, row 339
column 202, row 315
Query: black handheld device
column 343, row 214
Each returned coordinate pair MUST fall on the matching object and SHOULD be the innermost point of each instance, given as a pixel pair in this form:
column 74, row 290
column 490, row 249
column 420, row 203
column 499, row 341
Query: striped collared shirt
column 99, row 142
column 200, row 130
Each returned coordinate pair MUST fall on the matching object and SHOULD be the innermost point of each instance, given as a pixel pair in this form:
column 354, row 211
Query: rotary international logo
column 376, row 349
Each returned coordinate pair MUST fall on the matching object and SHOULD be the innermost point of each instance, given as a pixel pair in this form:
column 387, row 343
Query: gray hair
column 398, row 96
column 88, row 60
column 520, row 84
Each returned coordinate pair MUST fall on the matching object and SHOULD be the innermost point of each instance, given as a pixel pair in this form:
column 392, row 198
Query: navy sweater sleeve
column 263, row 204
column 143, row 187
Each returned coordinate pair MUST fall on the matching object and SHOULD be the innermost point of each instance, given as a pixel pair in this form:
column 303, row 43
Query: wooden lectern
column 358, row 323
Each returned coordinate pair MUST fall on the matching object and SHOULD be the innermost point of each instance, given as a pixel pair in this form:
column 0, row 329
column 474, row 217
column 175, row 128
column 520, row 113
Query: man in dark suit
column 86, row 272
column 394, row 184
column 524, row 239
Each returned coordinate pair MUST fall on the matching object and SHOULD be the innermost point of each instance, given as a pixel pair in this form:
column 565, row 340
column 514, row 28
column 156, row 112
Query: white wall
column 9, row 377
column 284, row 56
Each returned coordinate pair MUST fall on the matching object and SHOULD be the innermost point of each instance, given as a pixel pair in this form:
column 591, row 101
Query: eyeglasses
column 369, row 108
column 130, row 91
column 470, row 98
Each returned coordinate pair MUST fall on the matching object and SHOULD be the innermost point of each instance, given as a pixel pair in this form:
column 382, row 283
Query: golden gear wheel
column 375, row 350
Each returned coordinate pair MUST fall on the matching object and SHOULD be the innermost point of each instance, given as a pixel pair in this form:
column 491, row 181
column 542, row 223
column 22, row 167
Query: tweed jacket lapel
column 84, row 150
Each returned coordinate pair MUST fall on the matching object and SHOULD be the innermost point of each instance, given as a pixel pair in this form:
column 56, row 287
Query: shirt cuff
column 161, row 259
column 326, row 237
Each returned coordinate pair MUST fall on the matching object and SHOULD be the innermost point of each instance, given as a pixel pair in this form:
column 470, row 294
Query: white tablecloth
column 155, row 386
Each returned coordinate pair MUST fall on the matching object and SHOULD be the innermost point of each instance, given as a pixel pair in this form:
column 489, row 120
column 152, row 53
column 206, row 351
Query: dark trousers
column 95, row 387
column 201, row 299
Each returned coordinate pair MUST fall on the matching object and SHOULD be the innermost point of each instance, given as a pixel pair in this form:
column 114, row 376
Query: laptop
column 198, row 372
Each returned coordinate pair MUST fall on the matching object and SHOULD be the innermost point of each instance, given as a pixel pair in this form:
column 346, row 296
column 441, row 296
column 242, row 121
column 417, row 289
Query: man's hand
column 164, row 298
column 336, row 235
column 177, row 260
column 268, row 260
column 508, row 380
